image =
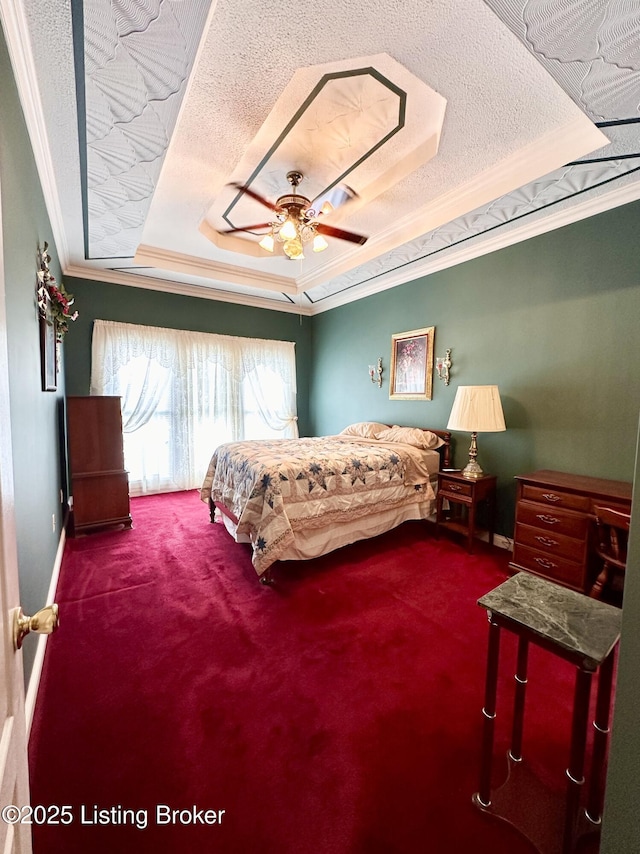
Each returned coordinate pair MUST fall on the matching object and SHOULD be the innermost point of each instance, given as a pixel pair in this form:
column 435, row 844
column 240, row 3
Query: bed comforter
column 274, row 488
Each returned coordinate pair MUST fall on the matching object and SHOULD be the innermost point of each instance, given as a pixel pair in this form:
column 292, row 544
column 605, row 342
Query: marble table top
column 584, row 627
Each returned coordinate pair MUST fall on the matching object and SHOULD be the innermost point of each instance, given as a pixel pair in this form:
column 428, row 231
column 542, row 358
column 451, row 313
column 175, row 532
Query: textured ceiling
column 461, row 129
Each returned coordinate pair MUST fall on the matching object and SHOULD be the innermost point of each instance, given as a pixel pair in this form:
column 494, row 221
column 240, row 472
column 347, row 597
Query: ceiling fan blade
column 334, row 198
column 253, row 194
column 246, row 228
column 331, row 231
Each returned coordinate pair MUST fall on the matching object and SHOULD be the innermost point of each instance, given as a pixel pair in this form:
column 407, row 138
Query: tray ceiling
column 457, row 133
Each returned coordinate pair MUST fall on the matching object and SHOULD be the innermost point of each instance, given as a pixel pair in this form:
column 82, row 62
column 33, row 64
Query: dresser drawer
column 555, row 497
column 552, row 519
column 448, row 487
column 568, row 572
column 551, row 542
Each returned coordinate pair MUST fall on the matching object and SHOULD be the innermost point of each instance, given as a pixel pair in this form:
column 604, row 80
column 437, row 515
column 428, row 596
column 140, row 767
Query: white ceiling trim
column 116, row 277
column 583, row 210
column 540, row 157
column 165, row 259
column 14, row 15
column 494, row 115
column 16, row 31
column 579, row 211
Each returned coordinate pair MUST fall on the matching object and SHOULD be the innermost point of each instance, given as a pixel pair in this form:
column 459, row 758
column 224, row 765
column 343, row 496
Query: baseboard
column 38, row 661
column 499, row 540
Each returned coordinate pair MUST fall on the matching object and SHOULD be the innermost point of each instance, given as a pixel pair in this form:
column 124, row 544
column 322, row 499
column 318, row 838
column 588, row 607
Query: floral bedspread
column 275, row 487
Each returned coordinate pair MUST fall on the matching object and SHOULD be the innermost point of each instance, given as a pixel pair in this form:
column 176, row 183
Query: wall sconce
column 375, row 372
column 443, row 365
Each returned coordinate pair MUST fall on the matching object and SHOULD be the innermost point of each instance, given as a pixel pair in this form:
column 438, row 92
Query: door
column 15, row 838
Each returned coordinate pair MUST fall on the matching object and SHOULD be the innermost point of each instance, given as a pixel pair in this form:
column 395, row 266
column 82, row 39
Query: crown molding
column 425, row 267
column 415, row 270
column 16, row 31
column 575, row 138
column 133, row 280
column 165, row 259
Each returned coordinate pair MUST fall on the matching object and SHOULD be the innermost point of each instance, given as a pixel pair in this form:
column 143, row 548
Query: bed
column 296, row 499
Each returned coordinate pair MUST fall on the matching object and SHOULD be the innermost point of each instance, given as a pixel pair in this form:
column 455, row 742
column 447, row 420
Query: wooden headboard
column 444, row 450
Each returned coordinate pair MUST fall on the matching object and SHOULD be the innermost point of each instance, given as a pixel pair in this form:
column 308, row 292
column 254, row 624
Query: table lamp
column 476, row 409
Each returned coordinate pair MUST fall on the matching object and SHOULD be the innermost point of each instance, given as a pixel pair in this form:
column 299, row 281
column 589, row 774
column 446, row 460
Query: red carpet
column 339, row 713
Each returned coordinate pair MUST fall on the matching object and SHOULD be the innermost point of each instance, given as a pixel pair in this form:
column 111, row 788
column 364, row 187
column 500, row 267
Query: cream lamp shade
column 476, row 409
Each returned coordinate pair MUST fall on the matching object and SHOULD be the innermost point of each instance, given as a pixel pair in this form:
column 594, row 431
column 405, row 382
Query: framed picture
column 48, row 358
column 412, row 364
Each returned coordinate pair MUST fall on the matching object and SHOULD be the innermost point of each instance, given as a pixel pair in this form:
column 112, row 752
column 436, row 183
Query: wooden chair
column 612, row 531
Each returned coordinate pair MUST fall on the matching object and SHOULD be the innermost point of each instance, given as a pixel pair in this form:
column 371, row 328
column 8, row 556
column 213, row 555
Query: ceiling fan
column 294, row 220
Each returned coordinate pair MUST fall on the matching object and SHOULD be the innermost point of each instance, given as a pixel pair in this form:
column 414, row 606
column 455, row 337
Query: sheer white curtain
column 183, row 393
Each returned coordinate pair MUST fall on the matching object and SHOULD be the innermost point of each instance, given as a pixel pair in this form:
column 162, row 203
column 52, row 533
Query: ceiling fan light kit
column 295, row 222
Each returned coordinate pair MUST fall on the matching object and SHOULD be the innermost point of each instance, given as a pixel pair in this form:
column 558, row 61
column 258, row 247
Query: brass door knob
column 44, row 622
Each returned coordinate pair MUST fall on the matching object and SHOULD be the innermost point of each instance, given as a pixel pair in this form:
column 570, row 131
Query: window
column 183, row 393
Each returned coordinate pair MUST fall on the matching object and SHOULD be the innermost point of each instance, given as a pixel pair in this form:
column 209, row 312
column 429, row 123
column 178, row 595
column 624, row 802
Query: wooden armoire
column 99, row 481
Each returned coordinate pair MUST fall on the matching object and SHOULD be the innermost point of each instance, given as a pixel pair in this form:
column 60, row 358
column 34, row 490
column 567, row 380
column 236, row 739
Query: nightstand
column 463, row 492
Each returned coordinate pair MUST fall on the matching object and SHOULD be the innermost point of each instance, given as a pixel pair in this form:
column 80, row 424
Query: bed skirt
column 314, row 542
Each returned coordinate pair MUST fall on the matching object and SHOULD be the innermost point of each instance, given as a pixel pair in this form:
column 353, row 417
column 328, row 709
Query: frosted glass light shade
column 477, row 409
column 289, row 231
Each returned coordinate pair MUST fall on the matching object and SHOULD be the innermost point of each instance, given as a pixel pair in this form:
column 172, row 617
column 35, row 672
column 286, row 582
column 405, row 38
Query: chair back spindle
column 613, row 533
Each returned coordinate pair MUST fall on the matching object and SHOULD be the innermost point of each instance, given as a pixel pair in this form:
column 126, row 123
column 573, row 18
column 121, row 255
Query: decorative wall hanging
column 412, row 364
column 54, row 312
column 48, row 345
column 53, row 299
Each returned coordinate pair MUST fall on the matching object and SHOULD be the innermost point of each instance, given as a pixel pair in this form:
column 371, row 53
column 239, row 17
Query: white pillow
column 363, row 429
column 424, row 439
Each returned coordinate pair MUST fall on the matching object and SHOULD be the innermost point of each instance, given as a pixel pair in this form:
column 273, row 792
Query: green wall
column 100, row 301
column 552, row 321
column 34, row 413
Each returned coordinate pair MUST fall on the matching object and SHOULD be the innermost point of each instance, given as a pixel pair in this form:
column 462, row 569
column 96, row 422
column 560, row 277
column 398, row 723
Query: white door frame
column 15, row 836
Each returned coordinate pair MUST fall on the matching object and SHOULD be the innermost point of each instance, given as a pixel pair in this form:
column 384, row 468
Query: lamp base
column 472, row 470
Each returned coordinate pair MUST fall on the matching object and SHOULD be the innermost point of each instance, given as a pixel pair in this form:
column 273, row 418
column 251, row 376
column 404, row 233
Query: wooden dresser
column 555, row 524
column 99, row 481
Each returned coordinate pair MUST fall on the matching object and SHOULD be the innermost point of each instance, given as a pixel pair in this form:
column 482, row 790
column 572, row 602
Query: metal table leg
column 600, row 739
column 575, row 771
column 519, row 701
column 483, row 796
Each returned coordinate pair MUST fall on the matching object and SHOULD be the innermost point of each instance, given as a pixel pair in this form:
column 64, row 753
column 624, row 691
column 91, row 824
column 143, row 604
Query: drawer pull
column 453, row 488
column 547, row 541
column 548, row 520
column 546, row 564
column 551, row 496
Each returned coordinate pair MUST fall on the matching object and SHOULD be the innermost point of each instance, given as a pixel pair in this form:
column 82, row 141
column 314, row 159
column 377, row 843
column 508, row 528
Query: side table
column 467, row 492
column 584, row 632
